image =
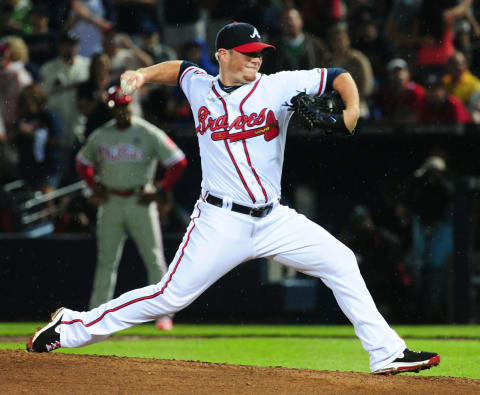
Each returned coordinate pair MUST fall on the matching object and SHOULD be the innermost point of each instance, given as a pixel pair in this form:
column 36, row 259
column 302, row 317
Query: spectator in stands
column 91, row 97
column 13, row 78
column 379, row 254
column 296, row 49
column 14, row 16
column 467, row 30
column 58, row 14
column 390, row 209
column 20, row 56
column 399, row 98
column 151, row 43
column 220, row 13
column 91, row 105
column 321, row 15
column 441, row 107
column 99, row 76
column 437, row 30
column 131, row 14
column 123, row 53
column 429, row 198
column 36, row 134
column 401, row 28
column 40, row 41
column 183, row 22
column 358, row 65
column 474, row 108
column 156, row 97
column 368, row 40
column 18, row 50
column 459, row 80
column 60, row 78
column 8, row 161
column 89, row 19
column 265, row 15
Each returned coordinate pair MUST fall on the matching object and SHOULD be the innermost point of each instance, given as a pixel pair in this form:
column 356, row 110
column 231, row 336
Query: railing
column 31, row 215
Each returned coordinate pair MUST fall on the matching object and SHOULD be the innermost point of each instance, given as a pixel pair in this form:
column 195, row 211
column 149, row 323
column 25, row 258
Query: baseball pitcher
column 241, row 124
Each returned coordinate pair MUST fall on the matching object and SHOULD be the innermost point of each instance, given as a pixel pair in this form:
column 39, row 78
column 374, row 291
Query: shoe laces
column 415, row 352
column 54, row 345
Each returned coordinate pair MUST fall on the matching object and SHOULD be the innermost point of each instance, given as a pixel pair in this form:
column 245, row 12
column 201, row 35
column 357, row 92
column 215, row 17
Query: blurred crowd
column 413, row 61
column 405, row 243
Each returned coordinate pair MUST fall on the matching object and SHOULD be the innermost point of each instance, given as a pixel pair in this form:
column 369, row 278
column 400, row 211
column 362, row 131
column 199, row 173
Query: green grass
column 219, row 330
column 302, row 347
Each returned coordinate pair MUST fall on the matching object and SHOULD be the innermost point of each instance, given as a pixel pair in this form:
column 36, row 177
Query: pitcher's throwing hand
column 131, row 81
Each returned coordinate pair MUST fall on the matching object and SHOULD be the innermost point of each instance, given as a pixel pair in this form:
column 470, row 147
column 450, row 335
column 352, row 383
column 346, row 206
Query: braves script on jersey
column 242, row 133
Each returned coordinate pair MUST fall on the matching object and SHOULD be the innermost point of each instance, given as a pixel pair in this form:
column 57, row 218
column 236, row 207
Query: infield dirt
column 54, row 373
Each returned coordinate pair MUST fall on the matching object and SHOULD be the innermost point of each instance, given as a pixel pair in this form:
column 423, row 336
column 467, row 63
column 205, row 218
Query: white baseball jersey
column 242, row 134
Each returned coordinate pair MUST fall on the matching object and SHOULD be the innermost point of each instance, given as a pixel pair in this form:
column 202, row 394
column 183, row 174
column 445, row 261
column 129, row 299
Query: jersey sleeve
column 166, row 151
column 86, row 155
column 289, row 83
column 190, row 75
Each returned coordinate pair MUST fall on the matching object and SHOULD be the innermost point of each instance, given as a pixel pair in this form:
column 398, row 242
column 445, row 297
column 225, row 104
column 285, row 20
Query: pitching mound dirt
column 54, row 373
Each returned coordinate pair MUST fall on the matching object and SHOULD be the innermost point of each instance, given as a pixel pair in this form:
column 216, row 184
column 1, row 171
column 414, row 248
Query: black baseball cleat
column 47, row 338
column 410, row 361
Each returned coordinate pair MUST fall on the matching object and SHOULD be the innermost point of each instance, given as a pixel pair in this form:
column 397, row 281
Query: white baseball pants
column 216, row 241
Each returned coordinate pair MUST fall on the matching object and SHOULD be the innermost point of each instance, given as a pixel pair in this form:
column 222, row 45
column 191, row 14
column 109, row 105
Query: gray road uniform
column 125, row 162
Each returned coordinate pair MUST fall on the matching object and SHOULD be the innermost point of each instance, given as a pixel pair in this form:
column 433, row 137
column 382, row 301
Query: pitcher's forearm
column 346, row 86
column 165, row 73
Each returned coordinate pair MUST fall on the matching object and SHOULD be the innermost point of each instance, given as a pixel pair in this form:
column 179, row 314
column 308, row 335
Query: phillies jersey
column 242, row 134
column 126, row 159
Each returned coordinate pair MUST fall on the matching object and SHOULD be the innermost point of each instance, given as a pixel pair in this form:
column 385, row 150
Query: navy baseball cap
column 241, row 37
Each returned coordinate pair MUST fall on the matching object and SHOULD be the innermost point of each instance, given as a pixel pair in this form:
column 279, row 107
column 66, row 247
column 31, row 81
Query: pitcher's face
column 243, row 67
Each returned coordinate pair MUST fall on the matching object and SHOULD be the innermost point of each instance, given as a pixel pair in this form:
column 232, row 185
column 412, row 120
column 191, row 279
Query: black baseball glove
column 320, row 112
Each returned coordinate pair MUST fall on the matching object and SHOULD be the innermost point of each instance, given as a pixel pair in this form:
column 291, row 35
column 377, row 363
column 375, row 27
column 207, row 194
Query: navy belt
column 259, row 212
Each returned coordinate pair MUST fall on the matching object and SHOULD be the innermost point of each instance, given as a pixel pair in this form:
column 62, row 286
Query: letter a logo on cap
column 242, row 37
column 255, row 33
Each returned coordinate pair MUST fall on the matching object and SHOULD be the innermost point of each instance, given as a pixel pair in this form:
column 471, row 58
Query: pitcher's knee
column 346, row 257
column 350, row 256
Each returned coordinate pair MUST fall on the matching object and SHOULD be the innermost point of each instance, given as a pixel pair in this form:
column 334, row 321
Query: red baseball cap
column 116, row 97
column 241, row 37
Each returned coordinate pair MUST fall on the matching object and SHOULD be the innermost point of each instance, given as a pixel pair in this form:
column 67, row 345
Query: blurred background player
column 118, row 162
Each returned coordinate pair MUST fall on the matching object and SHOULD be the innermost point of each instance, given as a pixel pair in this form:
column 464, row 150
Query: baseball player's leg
column 206, row 253
column 293, row 240
column 111, row 239
column 144, row 228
